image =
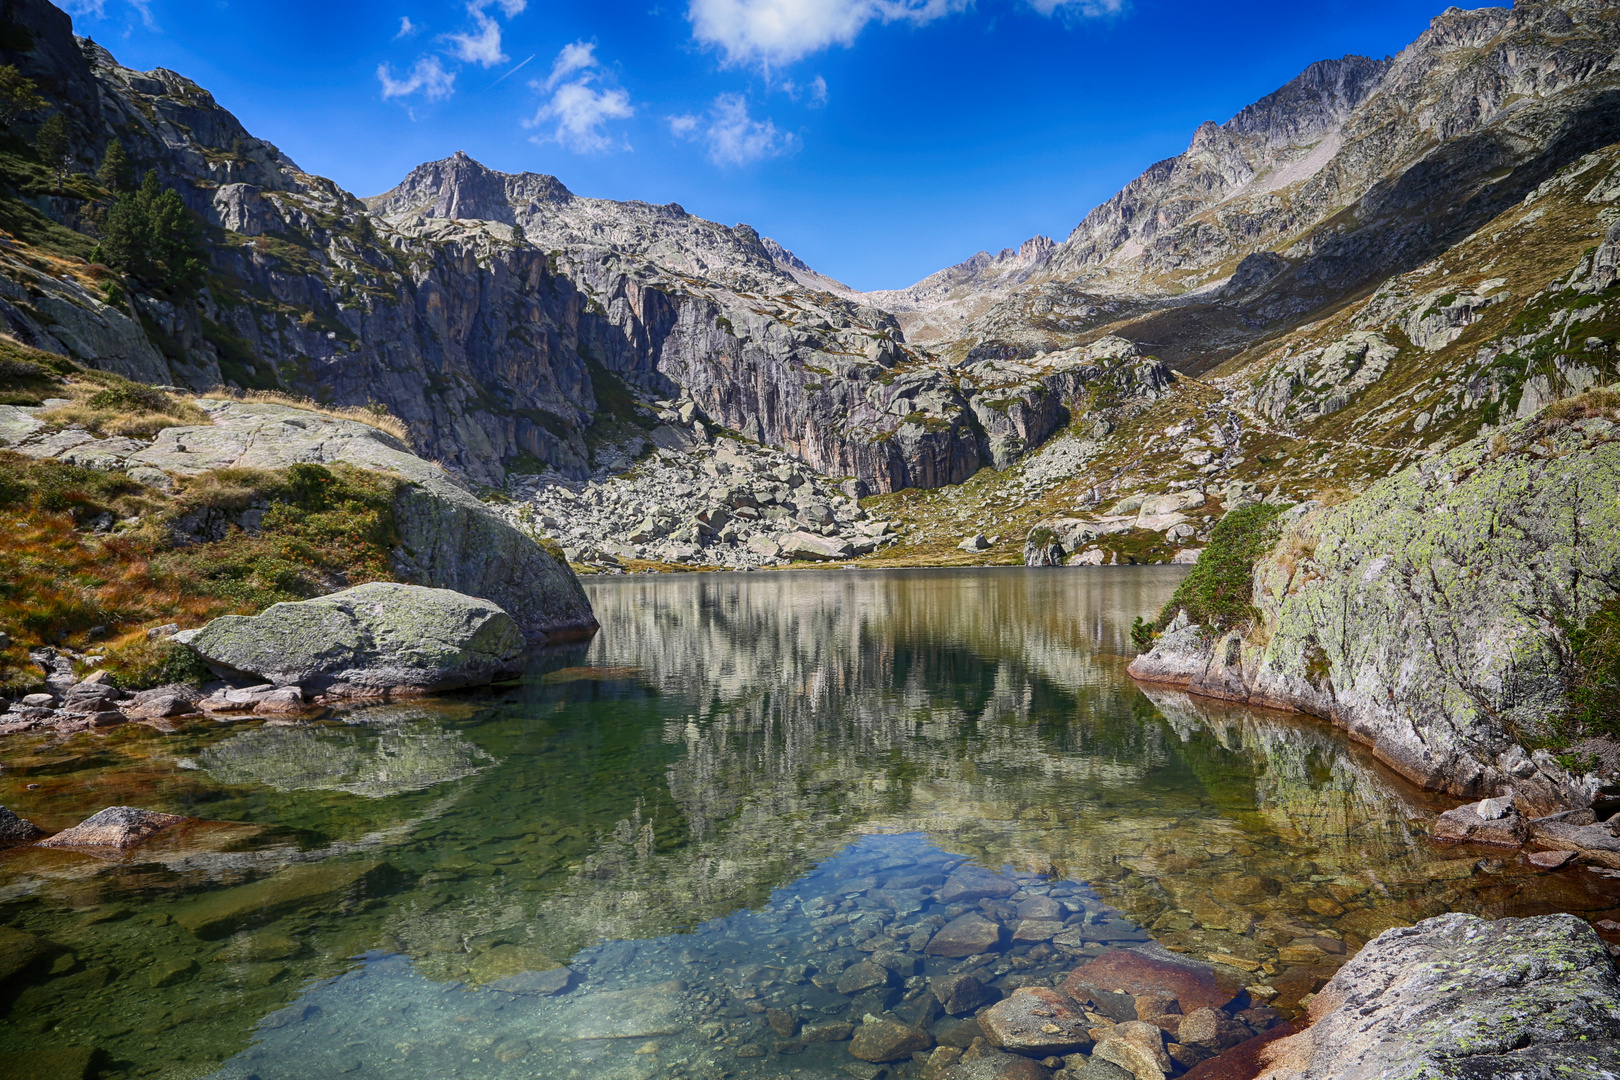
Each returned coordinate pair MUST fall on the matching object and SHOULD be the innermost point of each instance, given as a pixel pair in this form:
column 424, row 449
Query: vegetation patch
column 108, row 404
column 233, row 541
column 1219, row 592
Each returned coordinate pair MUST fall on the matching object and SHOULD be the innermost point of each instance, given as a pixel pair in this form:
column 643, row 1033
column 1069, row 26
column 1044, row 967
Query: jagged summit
column 460, row 187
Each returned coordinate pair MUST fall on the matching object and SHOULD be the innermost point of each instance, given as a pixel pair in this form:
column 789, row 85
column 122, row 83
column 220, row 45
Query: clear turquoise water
column 704, row 813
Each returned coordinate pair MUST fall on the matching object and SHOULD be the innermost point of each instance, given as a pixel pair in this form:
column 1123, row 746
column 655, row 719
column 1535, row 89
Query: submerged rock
column 1152, row 969
column 1036, row 1021
column 380, row 636
column 224, row 911
column 1462, row 996
column 116, row 826
column 888, row 1040
column 964, row 936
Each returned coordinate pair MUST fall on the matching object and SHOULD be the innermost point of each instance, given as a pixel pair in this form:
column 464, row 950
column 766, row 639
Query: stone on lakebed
column 215, row 914
column 1036, row 1021
column 964, row 936
column 1153, row 969
column 887, row 1040
column 377, row 636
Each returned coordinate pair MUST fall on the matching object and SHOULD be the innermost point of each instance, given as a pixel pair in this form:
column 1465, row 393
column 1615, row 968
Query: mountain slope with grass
column 127, row 509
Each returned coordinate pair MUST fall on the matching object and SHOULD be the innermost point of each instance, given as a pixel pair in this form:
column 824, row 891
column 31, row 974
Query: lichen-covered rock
column 448, row 539
column 1459, row 996
column 1422, row 617
column 378, row 636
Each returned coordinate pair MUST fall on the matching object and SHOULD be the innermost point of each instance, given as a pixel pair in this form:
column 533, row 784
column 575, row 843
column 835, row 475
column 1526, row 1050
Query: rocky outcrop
column 369, row 639
column 1423, row 617
column 1461, row 996
column 448, row 538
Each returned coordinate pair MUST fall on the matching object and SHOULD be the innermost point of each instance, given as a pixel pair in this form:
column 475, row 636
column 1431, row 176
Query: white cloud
column 406, row 27
column 731, row 136
column 509, row 8
column 483, row 47
column 428, row 77
column 781, row 31
column 1087, row 8
column 580, row 56
column 580, row 111
column 97, row 9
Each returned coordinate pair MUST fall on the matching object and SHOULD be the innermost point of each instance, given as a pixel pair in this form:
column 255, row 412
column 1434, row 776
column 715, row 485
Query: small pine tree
column 54, row 146
column 149, row 234
column 116, row 173
column 18, row 95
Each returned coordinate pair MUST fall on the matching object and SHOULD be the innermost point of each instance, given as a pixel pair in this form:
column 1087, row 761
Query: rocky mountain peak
column 460, row 187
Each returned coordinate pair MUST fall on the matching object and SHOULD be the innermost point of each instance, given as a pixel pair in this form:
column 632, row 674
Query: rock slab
column 379, row 636
column 1458, row 996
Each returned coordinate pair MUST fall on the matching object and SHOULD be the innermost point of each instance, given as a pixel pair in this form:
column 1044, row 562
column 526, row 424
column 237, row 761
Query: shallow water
column 742, row 788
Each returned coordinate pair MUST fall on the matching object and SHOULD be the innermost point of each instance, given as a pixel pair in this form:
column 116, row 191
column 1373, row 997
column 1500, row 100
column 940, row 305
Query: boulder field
column 1427, row 617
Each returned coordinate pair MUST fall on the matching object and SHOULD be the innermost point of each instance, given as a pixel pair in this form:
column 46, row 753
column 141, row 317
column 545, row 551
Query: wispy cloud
column 427, row 77
column 434, row 79
column 778, row 32
column 97, row 9
column 1090, row 9
column 730, row 135
column 814, row 93
column 576, row 112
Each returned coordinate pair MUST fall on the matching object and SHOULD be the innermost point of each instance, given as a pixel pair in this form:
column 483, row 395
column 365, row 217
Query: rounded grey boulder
column 380, row 636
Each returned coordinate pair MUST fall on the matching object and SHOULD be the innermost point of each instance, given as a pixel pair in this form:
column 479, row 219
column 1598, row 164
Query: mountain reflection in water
column 705, row 813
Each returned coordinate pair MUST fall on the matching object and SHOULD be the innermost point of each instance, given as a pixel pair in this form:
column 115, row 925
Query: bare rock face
column 1461, row 996
column 116, row 827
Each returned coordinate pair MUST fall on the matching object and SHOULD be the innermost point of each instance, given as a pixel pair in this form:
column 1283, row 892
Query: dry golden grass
column 109, row 405
column 374, row 415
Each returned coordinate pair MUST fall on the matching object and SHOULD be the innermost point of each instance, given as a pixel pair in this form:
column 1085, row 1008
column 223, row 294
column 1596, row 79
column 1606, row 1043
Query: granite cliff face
column 504, row 319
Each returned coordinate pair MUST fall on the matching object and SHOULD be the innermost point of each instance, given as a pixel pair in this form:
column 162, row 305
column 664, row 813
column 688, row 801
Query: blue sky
column 881, row 140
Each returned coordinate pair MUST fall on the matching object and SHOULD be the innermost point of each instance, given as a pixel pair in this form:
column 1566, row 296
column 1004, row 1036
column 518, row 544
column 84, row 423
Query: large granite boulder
column 448, row 538
column 1459, row 996
column 380, row 636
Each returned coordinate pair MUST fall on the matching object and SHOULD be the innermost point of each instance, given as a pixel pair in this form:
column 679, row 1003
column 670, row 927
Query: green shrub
column 1219, row 593
column 1594, row 672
